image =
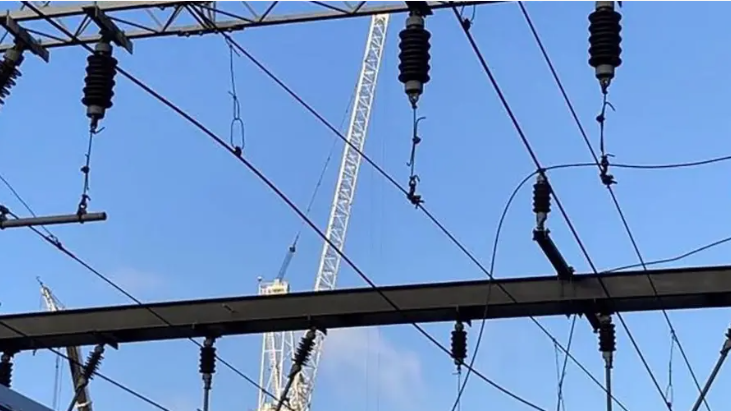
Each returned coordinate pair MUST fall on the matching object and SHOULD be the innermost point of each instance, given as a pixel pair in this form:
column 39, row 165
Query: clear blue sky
column 188, row 221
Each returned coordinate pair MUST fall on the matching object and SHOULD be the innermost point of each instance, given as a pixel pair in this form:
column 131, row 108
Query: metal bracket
column 563, row 270
column 107, row 26
column 23, row 37
column 52, row 220
column 421, row 8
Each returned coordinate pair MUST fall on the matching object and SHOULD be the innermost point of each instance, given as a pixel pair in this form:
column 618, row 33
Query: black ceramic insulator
column 459, row 344
column 208, row 360
column 99, row 81
column 9, row 74
column 607, row 338
column 414, row 56
column 6, row 372
column 604, row 38
column 304, row 350
column 541, row 197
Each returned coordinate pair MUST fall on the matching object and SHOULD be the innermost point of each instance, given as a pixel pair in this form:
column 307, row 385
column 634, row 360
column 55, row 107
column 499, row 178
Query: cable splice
column 605, row 42
column 99, row 82
column 541, row 200
column 6, row 369
column 459, row 345
column 9, row 72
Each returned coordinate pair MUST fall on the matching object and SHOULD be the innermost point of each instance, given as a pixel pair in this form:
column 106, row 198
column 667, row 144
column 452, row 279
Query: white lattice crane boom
column 73, row 353
column 278, row 348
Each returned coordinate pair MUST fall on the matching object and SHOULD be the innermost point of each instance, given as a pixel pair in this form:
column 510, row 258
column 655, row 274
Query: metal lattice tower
column 277, row 348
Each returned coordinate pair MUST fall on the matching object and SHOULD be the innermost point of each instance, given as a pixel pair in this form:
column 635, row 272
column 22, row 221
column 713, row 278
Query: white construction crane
column 74, row 353
column 278, row 348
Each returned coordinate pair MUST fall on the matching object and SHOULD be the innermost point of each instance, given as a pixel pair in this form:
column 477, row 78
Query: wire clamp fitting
column 607, row 179
column 414, row 198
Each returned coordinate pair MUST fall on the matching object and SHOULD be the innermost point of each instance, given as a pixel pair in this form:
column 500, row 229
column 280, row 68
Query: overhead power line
column 279, row 193
column 615, row 200
column 466, row 29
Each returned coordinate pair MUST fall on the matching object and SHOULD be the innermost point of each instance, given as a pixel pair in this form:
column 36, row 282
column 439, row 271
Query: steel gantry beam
column 537, row 296
column 146, row 19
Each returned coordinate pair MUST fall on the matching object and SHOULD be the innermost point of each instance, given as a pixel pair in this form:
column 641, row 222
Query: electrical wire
column 676, row 258
column 380, row 170
column 110, row 380
column 622, row 216
column 429, row 215
column 560, row 403
column 555, row 342
column 508, row 204
column 54, row 241
column 266, row 181
column 531, row 152
column 320, row 179
column 22, row 202
column 282, row 196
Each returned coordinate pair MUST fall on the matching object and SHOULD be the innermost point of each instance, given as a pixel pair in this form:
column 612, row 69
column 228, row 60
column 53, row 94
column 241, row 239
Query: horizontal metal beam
column 146, row 19
column 537, row 296
column 52, row 220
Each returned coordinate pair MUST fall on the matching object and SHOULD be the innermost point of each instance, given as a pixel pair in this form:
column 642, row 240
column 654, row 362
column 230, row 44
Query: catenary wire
column 650, row 167
column 110, row 380
column 55, row 242
column 496, row 241
column 431, row 217
column 470, row 368
column 199, row 126
column 676, row 258
column 560, row 403
column 284, row 198
column 615, row 200
column 564, row 214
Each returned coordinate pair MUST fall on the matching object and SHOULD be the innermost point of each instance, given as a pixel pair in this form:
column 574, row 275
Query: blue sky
column 188, row 221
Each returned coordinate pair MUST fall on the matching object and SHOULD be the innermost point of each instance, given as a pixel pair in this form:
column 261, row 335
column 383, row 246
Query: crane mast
column 278, row 348
column 73, row 353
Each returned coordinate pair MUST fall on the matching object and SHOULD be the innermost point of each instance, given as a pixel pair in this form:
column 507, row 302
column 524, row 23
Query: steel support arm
column 146, row 19
column 539, row 296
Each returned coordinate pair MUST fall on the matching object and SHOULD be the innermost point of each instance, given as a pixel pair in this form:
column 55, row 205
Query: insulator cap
column 605, row 40
column 541, row 196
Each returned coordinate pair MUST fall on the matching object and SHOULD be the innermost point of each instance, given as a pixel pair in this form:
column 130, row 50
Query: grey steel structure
column 146, row 19
column 535, row 296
